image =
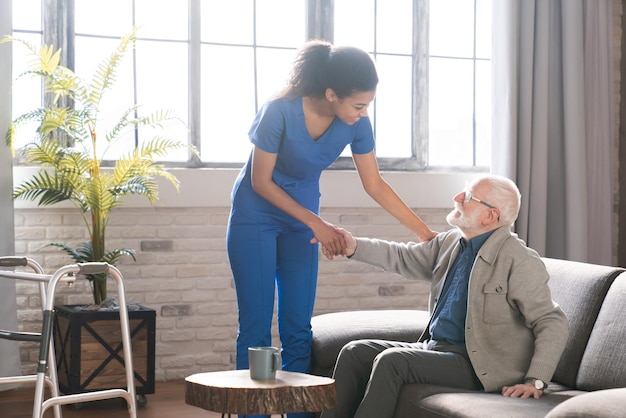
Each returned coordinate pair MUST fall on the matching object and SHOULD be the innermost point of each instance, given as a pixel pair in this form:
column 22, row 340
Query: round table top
column 234, row 392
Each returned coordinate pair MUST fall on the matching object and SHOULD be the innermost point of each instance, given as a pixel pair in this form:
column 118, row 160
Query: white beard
column 458, row 218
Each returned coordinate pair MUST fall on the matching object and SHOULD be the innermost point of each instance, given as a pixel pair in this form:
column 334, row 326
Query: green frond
column 14, row 126
column 97, row 195
column 44, row 59
column 63, row 82
column 123, row 122
column 81, row 254
column 8, row 138
column 142, row 185
column 159, row 170
column 49, row 59
column 76, row 126
column 52, row 119
column 64, row 125
column 33, row 115
column 74, row 162
column 44, row 152
column 159, row 147
column 32, row 48
column 112, row 256
column 48, row 189
column 139, row 166
column 159, row 119
column 106, row 73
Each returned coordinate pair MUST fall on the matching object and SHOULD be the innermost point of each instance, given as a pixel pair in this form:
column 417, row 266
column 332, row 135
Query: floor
column 168, row 401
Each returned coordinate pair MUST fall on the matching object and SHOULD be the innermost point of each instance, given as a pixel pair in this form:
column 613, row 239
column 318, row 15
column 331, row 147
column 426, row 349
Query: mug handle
column 276, row 361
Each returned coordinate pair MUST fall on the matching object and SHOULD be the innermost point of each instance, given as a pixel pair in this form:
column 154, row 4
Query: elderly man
column 493, row 325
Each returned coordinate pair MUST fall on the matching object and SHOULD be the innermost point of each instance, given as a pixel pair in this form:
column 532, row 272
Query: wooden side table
column 234, row 392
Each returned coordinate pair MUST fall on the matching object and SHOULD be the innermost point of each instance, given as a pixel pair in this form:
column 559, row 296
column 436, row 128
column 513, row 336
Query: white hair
column 504, row 195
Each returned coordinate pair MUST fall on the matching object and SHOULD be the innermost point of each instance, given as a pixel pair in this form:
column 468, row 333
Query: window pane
column 229, row 21
column 27, row 15
column 386, row 28
column 227, row 103
column 451, row 112
column 483, row 29
column 483, row 113
column 290, row 31
column 273, row 66
column 393, row 107
column 452, row 28
column 162, row 19
column 394, row 26
column 27, row 91
column 104, row 18
column 164, row 87
column 355, row 23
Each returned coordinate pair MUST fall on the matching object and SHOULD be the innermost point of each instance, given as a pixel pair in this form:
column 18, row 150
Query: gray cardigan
column 513, row 328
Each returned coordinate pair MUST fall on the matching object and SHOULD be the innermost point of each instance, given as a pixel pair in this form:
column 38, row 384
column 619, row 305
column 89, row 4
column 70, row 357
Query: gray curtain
column 553, row 125
column 9, row 350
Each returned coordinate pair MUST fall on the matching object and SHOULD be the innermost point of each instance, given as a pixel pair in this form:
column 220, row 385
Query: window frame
column 58, row 30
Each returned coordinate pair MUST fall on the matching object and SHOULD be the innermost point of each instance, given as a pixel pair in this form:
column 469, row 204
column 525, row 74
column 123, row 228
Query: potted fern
column 69, row 147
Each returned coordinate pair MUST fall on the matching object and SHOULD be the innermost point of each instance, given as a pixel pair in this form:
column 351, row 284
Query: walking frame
column 46, row 367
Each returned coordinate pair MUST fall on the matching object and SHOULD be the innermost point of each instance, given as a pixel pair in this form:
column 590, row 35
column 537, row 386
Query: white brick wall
column 182, row 272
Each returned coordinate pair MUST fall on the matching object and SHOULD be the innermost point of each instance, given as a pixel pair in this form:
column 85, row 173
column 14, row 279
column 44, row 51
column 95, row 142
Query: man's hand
column 522, row 390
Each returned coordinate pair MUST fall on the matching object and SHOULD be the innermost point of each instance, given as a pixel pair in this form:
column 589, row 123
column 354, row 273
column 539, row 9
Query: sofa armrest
column 596, row 404
column 332, row 331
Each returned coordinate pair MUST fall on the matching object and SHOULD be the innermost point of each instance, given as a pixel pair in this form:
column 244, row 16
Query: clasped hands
column 334, row 241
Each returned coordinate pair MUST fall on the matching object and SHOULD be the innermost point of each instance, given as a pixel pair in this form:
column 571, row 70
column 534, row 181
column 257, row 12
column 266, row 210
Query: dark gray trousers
column 370, row 373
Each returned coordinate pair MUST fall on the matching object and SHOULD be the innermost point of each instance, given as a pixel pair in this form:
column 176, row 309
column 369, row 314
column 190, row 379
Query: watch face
column 539, row 384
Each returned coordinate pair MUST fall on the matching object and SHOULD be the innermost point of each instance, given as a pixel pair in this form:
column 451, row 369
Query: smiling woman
column 275, row 224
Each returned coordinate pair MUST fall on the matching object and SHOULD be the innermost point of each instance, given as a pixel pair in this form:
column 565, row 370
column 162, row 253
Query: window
column 216, row 62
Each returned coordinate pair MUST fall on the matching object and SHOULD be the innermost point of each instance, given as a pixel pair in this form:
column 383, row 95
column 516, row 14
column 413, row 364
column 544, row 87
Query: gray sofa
column 590, row 380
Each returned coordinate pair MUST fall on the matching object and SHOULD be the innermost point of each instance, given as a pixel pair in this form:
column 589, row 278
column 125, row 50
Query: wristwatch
column 539, row 384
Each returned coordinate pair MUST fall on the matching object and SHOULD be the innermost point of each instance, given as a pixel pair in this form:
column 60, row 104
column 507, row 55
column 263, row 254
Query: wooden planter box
column 88, row 347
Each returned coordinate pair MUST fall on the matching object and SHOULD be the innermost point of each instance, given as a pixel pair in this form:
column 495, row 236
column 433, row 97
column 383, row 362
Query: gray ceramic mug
column 264, row 361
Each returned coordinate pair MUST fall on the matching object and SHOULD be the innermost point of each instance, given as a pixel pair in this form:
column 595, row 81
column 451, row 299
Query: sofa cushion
column 447, row 402
column 599, row 404
column 332, row 331
column 603, row 365
column 579, row 288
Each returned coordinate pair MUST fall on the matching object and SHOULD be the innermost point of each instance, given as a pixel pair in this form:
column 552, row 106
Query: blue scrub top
column 279, row 128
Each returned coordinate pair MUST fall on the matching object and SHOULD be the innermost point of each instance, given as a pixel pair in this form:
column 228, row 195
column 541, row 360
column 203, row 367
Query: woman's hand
column 331, row 238
column 428, row 235
column 350, row 245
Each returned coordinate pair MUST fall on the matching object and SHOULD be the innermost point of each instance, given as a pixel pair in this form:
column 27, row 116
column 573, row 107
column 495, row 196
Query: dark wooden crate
column 88, row 347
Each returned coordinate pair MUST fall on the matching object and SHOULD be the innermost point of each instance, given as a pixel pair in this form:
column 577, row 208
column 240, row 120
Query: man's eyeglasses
column 469, row 196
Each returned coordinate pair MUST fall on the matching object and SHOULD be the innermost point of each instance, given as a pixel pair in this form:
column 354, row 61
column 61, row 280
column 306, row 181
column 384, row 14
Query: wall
column 182, row 272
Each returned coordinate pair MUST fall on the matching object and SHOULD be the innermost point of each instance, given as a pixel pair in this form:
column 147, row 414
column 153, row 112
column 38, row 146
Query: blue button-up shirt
column 448, row 322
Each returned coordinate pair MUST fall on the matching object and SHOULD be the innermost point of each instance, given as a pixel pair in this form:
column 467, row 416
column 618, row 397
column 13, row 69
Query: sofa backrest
column 603, row 365
column 580, row 289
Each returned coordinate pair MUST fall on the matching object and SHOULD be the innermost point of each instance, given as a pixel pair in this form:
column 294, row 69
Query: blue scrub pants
column 265, row 258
